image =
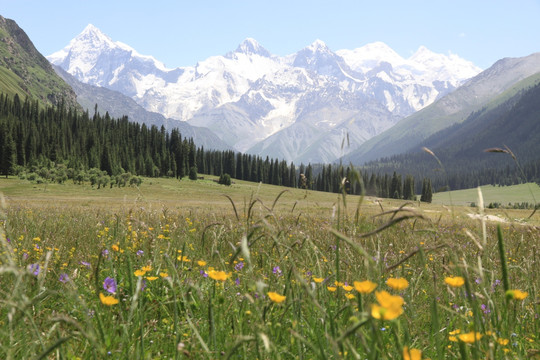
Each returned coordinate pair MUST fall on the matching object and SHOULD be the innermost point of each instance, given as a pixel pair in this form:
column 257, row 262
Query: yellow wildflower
column 364, row 287
column 347, row 287
column 397, row 283
column 389, row 307
column 318, row 280
column 115, row 247
column 201, row 263
column 331, row 288
column 470, row 337
column 151, row 278
column 163, row 274
column 139, row 272
column 516, row 294
column 218, row 275
column 108, row 300
column 275, row 297
column 454, row 281
column 411, row 354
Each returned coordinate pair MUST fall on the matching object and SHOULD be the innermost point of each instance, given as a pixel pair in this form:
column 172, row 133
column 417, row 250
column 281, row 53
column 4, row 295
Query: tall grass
column 258, row 282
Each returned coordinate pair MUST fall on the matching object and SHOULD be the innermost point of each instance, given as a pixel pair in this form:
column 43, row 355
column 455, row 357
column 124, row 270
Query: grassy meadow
column 196, row 270
column 491, row 194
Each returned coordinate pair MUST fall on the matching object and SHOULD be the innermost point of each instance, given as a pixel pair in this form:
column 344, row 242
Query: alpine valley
column 315, row 105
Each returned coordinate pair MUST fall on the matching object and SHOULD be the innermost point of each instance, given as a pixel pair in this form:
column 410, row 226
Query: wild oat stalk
column 507, row 150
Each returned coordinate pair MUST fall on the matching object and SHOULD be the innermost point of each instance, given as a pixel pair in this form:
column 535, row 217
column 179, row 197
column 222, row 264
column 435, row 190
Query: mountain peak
column 424, row 53
column 318, row 46
column 90, row 28
column 369, row 56
column 250, row 46
column 93, row 37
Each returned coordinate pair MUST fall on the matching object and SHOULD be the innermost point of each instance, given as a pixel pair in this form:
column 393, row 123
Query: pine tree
column 427, row 194
column 8, row 152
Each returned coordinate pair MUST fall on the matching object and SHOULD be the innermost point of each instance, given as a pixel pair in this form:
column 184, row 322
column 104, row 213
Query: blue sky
column 180, row 33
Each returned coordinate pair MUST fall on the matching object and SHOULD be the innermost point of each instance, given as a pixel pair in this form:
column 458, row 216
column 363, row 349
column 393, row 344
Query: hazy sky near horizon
column 180, row 33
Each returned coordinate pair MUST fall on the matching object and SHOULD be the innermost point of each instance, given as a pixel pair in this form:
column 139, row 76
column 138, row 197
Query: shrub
column 225, row 179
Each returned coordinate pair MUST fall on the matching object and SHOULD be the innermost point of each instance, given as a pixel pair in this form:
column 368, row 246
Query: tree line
column 57, row 143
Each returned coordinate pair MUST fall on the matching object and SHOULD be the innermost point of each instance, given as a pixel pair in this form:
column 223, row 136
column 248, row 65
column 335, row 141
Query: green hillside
column 503, row 80
column 24, row 71
column 508, row 122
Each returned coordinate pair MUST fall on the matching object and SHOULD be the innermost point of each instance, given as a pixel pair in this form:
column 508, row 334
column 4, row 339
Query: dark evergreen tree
column 193, row 173
column 427, row 194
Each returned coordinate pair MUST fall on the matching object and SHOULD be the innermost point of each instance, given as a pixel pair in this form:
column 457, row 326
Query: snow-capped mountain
column 298, row 107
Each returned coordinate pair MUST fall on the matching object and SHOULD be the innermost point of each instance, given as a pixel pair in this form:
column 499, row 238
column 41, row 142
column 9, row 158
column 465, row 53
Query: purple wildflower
column 237, row 281
column 34, row 269
column 110, row 285
column 203, row 273
column 143, row 284
column 85, row 263
column 239, row 266
column 105, row 253
column 140, row 253
column 25, row 256
column 485, row 309
column 64, row 278
column 276, row 270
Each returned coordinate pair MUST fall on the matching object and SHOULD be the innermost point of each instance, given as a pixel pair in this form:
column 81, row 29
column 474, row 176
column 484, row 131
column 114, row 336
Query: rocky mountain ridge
column 281, row 106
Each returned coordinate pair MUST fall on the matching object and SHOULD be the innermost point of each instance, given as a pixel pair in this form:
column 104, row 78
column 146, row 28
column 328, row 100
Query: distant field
column 207, row 195
column 501, row 194
column 171, row 193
